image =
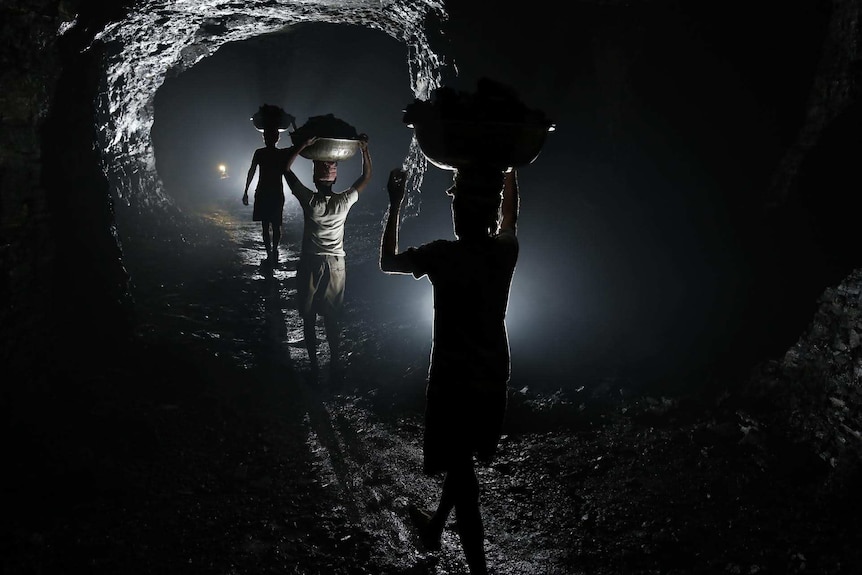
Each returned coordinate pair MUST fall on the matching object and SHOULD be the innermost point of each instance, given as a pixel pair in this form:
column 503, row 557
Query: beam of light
column 222, row 170
column 425, row 305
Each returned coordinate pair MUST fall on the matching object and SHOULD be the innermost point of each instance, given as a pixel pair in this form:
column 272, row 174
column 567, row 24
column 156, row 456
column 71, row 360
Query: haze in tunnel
column 645, row 244
column 640, row 219
column 202, row 117
column 642, row 251
column 202, row 121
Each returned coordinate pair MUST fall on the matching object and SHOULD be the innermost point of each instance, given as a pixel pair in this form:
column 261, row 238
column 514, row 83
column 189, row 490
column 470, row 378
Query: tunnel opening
column 153, row 49
column 148, row 49
column 90, row 354
column 201, row 120
column 94, row 168
column 202, row 116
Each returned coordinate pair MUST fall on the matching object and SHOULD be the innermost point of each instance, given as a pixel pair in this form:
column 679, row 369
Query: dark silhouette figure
column 269, row 193
column 466, row 392
column 321, row 274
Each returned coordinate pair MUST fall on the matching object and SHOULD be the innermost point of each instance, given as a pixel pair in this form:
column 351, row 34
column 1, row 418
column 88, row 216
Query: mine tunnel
column 97, row 137
column 691, row 218
column 101, row 165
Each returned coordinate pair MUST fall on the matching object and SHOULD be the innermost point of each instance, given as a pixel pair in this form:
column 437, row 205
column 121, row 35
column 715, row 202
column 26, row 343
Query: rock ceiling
column 158, row 38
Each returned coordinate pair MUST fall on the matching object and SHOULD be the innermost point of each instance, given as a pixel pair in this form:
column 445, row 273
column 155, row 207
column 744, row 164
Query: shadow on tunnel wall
column 65, row 288
column 810, row 241
column 90, row 294
column 829, row 191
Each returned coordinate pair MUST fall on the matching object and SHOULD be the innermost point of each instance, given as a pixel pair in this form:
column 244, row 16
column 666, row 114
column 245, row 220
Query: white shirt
column 324, row 215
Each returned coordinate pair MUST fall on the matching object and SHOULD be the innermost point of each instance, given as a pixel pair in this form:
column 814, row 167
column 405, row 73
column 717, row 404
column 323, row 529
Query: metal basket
column 451, row 145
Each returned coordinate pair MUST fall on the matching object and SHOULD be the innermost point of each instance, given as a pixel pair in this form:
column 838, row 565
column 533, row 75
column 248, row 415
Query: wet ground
column 208, row 447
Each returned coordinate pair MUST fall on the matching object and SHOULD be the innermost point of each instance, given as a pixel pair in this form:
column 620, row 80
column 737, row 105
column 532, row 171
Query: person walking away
column 466, row 391
column 269, row 194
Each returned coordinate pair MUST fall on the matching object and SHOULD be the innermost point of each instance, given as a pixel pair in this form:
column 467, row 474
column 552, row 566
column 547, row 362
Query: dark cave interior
column 720, row 262
column 680, row 228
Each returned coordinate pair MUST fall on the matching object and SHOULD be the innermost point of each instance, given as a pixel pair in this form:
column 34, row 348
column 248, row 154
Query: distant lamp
column 222, row 170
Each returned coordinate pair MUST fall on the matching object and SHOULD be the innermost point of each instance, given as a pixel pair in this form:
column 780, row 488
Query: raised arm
column 296, row 187
column 294, row 153
column 365, row 176
column 390, row 260
column 511, row 202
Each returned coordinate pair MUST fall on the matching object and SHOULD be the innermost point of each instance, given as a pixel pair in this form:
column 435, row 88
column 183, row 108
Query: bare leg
column 266, row 240
column 464, row 490
column 444, row 508
column 276, row 238
column 430, row 525
column 333, row 337
column 461, row 493
column 308, row 325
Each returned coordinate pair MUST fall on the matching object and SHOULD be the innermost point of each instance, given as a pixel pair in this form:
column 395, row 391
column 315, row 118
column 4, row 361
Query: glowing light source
column 222, row 170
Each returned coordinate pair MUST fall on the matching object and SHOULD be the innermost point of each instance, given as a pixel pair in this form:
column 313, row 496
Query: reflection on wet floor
column 274, row 280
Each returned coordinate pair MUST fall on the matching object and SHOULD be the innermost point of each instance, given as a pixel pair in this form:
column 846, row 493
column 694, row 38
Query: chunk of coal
column 325, row 126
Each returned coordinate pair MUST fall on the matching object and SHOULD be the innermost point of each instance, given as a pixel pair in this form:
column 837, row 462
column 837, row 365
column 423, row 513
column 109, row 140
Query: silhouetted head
column 480, row 179
column 476, row 198
column 325, row 172
column 271, row 136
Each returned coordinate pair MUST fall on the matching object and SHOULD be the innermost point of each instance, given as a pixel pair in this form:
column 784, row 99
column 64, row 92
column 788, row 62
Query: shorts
column 320, row 284
column 268, row 207
column 462, row 419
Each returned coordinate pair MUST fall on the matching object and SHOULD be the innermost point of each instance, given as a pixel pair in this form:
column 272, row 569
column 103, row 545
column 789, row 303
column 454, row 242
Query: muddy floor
column 208, row 446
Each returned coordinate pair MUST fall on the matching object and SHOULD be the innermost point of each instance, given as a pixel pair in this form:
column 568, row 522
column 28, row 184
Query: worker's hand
column 363, row 141
column 245, row 199
column 395, row 186
column 310, row 141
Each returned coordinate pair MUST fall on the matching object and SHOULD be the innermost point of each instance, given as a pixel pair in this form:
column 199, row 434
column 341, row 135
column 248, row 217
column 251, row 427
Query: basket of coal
column 490, row 127
column 336, row 139
column 269, row 117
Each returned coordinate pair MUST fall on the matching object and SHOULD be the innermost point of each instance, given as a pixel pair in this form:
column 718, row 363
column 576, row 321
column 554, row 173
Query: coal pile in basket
column 325, row 126
column 336, row 139
column 491, row 126
column 269, row 117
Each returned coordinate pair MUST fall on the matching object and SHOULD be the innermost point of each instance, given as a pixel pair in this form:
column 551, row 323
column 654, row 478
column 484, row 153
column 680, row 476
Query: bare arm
column 390, row 260
column 292, row 181
column 511, row 202
column 294, row 153
column 249, row 177
column 365, row 176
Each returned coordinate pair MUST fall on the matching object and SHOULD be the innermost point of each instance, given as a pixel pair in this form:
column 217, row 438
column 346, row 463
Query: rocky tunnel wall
column 160, row 38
